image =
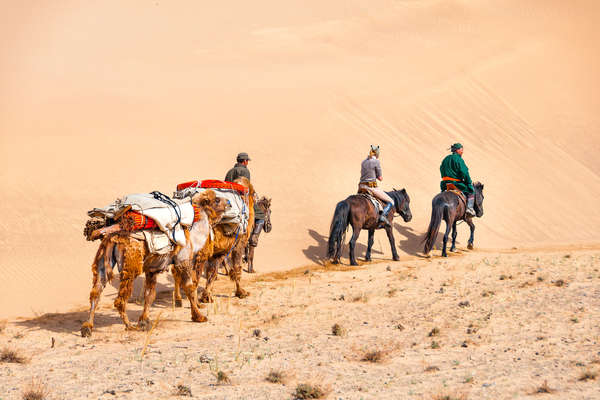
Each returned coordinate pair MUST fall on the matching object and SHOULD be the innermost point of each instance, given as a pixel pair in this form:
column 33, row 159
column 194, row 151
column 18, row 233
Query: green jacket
column 453, row 166
column 241, row 170
column 237, row 171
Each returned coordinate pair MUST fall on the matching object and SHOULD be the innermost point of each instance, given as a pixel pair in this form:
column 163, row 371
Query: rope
column 234, row 242
column 167, row 200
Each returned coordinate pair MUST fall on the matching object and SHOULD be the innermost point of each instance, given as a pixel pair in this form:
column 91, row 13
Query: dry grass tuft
column 392, row 292
column 276, row 377
column 35, row 390
column 435, row 345
column 588, row 375
column 450, row 397
column 309, row 391
column 375, row 356
column 560, row 283
column 183, row 390
column 434, row 332
column 543, row 389
column 223, row 378
column 256, row 333
column 432, row 368
column 361, row 297
column 338, row 330
column 12, row 356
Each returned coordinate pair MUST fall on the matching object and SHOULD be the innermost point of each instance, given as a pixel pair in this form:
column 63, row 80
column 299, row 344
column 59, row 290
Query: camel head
column 213, row 206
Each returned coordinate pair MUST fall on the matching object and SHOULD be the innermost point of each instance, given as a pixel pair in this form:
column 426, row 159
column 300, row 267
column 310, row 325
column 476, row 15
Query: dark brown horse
column 265, row 205
column 358, row 211
column 450, row 207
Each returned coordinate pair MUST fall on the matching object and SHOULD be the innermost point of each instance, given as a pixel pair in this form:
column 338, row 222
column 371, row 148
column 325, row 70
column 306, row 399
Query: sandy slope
column 483, row 326
column 104, row 99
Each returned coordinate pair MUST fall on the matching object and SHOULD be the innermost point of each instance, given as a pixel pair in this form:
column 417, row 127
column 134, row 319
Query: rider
column 238, row 170
column 370, row 172
column 455, row 171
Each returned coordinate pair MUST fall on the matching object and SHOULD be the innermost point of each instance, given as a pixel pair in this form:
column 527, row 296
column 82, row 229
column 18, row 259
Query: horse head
column 265, row 205
column 402, row 204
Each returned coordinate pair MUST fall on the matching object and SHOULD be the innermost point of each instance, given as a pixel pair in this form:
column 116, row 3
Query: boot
column 384, row 213
column 470, row 203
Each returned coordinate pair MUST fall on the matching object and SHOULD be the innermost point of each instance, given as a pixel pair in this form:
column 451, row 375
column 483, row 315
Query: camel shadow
column 70, row 322
column 317, row 253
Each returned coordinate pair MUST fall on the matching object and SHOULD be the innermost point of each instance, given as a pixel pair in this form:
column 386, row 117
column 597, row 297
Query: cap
column 243, row 156
column 456, row 146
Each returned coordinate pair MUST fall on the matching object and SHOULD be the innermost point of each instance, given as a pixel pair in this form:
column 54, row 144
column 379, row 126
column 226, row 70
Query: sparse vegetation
column 435, row 345
column 559, row 283
column 392, row 292
column 223, row 378
column 588, row 375
column 308, row 391
column 374, row 356
column 12, row 356
column 360, row 297
column 434, row 332
column 544, row 388
column 183, row 390
column 256, row 333
column 36, row 390
column 338, row 330
column 276, row 377
column 450, row 397
column 432, row 368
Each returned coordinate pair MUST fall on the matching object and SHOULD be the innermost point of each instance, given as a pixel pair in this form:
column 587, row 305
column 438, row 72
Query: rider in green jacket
column 455, row 171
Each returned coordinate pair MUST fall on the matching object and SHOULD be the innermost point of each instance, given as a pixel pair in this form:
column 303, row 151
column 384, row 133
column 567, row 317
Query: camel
column 223, row 247
column 131, row 255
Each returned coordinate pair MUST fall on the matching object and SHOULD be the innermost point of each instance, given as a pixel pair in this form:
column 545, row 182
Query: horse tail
column 437, row 212
column 337, row 230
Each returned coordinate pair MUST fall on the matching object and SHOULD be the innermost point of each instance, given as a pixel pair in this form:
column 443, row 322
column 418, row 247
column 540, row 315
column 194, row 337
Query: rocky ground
column 474, row 326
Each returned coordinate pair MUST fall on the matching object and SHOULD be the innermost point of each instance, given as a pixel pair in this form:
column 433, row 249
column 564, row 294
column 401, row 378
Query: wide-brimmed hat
column 243, row 157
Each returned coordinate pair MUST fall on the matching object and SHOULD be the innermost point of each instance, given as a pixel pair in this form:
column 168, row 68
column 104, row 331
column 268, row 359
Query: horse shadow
column 413, row 243
column 317, row 253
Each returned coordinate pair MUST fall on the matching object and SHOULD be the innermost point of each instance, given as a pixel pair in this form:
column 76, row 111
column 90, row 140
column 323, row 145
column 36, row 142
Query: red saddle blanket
column 214, row 184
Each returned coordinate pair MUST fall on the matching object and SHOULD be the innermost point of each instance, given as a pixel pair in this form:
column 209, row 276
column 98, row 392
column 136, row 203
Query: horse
column 121, row 248
column 451, row 207
column 264, row 204
column 360, row 212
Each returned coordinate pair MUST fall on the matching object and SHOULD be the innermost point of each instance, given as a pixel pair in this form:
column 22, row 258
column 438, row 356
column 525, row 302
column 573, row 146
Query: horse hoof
column 86, row 330
column 241, row 293
column 199, row 318
column 444, row 255
column 396, row 258
column 368, row 259
column 251, row 271
column 178, row 303
column 144, row 325
column 470, row 246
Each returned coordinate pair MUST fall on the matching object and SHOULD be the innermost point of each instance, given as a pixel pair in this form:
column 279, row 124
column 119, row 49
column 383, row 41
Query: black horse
column 358, row 211
column 451, row 207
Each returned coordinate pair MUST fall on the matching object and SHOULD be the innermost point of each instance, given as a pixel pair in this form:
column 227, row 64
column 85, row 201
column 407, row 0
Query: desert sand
column 108, row 98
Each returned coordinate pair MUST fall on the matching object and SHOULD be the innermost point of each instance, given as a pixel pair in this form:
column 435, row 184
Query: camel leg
column 469, row 222
column 177, row 294
column 370, row 244
column 448, row 226
column 453, row 247
column 390, row 234
column 125, row 289
column 235, row 272
column 149, row 296
column 211, row 277
column 355, row 234
column 189, row 287
column 97, row 287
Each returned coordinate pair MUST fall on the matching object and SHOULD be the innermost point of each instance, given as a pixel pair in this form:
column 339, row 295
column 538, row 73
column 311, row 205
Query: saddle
column 450, row 187
column 374, row 200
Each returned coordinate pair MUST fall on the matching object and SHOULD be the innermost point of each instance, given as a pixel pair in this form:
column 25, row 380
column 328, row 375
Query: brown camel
column 223, row 247
column 131, row 255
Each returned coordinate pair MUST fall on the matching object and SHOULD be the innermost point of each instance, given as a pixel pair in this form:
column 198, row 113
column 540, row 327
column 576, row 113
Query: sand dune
column 101, row 100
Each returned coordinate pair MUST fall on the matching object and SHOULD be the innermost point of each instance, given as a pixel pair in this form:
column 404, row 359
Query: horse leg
column 355, row 234
column 176, row 289
column 97, row 287
column 448, row 226
column 149, row 296
column 453, row 247
column 250, row 258
column 469, row 222
column 370, row 244
column 390, row 234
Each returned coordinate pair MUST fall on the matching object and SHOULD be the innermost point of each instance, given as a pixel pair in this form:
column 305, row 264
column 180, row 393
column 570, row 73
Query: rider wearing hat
column 370, row 172
column 241, row 169
column 455, row 171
